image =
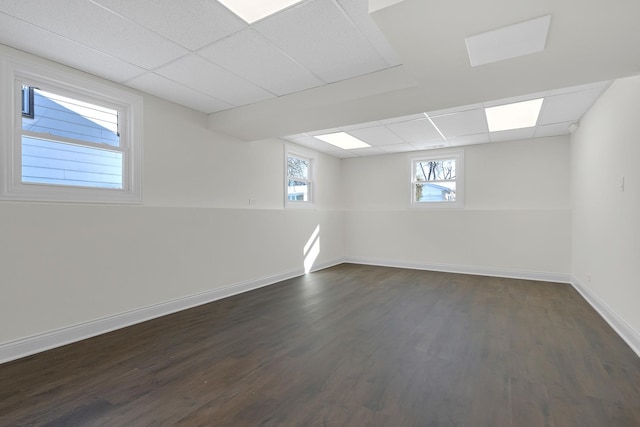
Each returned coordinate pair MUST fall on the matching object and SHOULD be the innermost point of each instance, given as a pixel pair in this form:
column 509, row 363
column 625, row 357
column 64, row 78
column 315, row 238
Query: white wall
column 63, row 265
column 606, row 221
column 188, row 165
column 516, row 219
column 66, row 264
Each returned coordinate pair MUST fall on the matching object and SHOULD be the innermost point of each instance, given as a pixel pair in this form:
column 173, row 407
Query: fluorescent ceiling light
column 252, row 10
column 342, row 140
column 508, row 42
column 513, row 116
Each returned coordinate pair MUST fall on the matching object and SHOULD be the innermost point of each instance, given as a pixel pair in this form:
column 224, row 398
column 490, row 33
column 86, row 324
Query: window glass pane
column 443, row 191
column 298, row 191
column 52, row 162
column 436, row 170
column 69, row 118
column 297, row 168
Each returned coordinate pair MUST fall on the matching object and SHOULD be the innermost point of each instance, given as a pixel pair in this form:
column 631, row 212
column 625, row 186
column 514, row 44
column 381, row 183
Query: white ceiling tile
column 321, row 38
column 172, row 91
column 568, row 106
column 368, row 151
column 360, row 126
column 459, row 124
column 415, row 130
column 29, row 38
column 430, row 145
column 311, row 142
column 199, row 74
column 190, row 23
column 251, row 56
column 397, row 148
column 343, row 154
column 459, row 109
column 358, row 11
column 98, row 28
column 553, row 129
column 324, row 131
column 509, row 135
column 514, row 99
column 469, row 139
column 416, row 116
column 378, row 135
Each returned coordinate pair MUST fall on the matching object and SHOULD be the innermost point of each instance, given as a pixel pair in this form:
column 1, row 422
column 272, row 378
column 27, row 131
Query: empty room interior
column 332, row 212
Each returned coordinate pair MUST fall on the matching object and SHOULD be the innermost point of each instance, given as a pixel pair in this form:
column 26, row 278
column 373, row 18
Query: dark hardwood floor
column 350, row 345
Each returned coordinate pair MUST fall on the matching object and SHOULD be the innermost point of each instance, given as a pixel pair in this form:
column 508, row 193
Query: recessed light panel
column 252, row 10
column 508, row 42
column 513, row 116
column 343, row 140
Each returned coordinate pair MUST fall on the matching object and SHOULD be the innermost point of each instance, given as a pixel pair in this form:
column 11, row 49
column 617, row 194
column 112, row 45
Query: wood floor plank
column 351, row 345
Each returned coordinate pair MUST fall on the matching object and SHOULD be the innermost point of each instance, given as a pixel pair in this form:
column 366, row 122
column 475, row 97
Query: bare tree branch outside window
column 298, row 178
column 435, row 180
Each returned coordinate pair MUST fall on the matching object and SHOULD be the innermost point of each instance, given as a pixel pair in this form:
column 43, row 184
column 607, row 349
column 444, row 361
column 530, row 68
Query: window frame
column 17, row 73
column 29, row 111
column 310, row 181
column 458, row 156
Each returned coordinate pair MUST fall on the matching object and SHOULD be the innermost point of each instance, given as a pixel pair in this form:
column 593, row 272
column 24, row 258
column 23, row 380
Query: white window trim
column 16, row 71
column 458, row 155
column 312, row 180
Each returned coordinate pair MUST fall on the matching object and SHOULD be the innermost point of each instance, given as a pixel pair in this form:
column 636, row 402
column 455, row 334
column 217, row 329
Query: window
column 299, row 182
column 70, row 142
column 437, row 181
column 71, row 139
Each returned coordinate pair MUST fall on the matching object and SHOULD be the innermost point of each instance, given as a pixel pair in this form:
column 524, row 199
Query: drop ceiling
column 196, row 52
column 587, row 42
column 458, row 126
column 336, row 64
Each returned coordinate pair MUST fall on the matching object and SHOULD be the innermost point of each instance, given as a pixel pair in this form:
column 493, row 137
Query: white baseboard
column 463, row 269
column 35, row 344
column 622, row 328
